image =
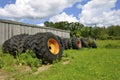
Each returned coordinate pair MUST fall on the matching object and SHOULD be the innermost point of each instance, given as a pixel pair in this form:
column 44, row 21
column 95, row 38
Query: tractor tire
column 30, row 41
column 76, row 43
column 84, row 42
column 65, row 42
column 93, row 45
column 14, row 44
column 27, row 43
column 61, row 42
column 46, row 46
column 69, row 43
column 6, row 46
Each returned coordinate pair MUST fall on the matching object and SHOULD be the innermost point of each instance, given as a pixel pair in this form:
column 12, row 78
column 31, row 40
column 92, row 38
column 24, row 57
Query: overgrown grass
column 108, row 44
column 102, row 63
column 8, row 62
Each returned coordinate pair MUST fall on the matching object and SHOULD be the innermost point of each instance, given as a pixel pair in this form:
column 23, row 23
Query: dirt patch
column 42, row 68
column 66, row 62
column 23, row 69
column 7, row 74
column 4, row 74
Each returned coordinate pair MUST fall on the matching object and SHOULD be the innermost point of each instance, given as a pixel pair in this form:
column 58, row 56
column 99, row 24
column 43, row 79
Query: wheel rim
column 79, row 44
column 53, row 46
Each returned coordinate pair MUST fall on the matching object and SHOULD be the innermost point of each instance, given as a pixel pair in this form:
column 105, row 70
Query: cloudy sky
column 87, row 12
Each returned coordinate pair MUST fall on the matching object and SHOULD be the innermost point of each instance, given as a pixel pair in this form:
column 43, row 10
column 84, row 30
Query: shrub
column 112, row 46
column 1, row 63
column 29, row 58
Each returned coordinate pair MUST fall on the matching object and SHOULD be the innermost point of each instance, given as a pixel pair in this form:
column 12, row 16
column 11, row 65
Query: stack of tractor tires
column 76, row 43
column 67, row 43
column 72, row 43
column 47, row 46
column 84, row 42
column 14, row 44
column 88, row 43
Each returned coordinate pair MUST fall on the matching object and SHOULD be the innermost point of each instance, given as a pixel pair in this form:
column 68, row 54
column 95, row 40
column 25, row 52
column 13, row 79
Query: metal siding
column 2, row 33
column 37, row 30
column 5, row 31
column 18, row 28
column 10, row 31
column 30, row 30
column 22, row 29
column 25, row 29
column 11, row 28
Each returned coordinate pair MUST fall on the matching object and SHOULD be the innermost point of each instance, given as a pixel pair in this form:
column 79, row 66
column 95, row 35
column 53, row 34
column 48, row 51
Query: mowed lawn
column 102, row 63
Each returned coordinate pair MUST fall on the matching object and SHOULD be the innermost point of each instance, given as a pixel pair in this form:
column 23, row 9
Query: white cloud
column 41, row 24
column 63, row 17
column 100, row 12
column 34, row 9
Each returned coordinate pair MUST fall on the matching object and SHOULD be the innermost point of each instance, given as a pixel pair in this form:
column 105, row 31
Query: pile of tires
column 72, row 43
column 76, row 43
column 14, row 44
column 47, row 46
column 88, row 43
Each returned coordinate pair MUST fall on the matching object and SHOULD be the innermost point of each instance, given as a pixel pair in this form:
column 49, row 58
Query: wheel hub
column 53, row 46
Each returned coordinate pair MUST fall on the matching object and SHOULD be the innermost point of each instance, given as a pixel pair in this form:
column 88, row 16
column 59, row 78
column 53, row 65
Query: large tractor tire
column 46, row 47
column 69, row 43
column 61, row 42
column 14, row 44
column 91, row 43
column 84, row 42
column 65, row 42
column 76, row 43
column 30, row 41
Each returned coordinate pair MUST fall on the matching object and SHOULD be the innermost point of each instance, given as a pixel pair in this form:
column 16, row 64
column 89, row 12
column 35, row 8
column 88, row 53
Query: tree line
column 79, row 30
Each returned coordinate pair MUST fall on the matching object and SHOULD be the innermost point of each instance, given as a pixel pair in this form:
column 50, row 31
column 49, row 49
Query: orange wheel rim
column 53, row 46
column 79, row 44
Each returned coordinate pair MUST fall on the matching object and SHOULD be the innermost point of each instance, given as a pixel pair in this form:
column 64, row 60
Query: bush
column 29, row 58
column 1, row 63
column 112, row 46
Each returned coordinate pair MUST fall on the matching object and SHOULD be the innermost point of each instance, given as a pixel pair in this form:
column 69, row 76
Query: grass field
column 102, row 63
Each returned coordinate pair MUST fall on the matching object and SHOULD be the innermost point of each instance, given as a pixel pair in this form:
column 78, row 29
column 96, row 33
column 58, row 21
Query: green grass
column 108, row 43
column 102, row 63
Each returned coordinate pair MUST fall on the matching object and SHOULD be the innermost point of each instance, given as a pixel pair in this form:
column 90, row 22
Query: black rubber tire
column 65, row 42
column 69, row 43
column 75, row 43
column 40, row 47
column 14, row 44
column 93, row 44
column 84, row 42
column 30, row 41
column 27, row 44
column 61, row 42
column 6, row 46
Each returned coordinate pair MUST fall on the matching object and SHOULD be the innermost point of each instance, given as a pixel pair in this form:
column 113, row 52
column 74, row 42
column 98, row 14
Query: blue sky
column 87, row 12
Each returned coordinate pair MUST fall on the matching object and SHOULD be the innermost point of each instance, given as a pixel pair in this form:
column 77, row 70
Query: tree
column 114, row 32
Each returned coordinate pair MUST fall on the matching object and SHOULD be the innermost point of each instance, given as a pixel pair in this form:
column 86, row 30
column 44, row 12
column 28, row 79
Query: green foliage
column 85, row 64
column 74, row 27
column 29, row 58
column 110, row 44
column 79, row 30
column 1, row 63
column 8, row 62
